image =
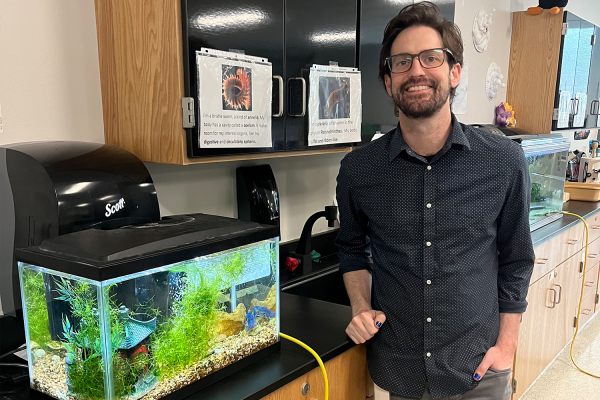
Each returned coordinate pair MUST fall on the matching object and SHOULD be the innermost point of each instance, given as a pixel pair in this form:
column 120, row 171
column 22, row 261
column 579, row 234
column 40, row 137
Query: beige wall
column 50, row 90
column 49, row 74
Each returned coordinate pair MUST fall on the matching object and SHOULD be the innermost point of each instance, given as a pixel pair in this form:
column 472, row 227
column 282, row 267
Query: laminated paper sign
column 234, row 100
column 334, row 105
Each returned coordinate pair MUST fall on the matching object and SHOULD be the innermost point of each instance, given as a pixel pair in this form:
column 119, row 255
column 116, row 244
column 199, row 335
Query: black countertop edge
column 583, row 208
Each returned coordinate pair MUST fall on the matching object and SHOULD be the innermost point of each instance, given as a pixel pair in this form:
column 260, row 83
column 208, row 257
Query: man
column 444, row 208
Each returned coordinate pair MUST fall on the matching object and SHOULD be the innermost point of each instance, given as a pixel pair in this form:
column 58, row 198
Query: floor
column 562, row 380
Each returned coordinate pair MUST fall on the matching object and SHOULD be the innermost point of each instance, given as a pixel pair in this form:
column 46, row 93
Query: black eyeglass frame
column 388, row 60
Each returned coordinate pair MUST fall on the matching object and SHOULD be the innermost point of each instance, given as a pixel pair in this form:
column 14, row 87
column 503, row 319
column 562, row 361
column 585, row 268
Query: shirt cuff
column 354, row 265
column 512, row 306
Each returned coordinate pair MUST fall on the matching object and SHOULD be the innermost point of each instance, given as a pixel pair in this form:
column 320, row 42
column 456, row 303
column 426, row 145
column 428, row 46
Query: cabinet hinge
column 565, row 27
column 188, row 117
column 593, row 40
column 555, row 114
column 597, row 298
column 575, row 322
column 514, row 385
column 581, row 267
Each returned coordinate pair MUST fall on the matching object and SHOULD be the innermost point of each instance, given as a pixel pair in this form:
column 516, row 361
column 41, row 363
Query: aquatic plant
column 185, row 338
column 37, row 309
column 85, row 369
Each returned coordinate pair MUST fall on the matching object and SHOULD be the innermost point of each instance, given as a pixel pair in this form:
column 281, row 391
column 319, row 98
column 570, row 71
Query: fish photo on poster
column 334, row 97
column 236, row 88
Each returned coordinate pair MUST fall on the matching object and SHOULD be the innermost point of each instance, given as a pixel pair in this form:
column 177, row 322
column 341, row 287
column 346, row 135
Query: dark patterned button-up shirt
column 451, row 249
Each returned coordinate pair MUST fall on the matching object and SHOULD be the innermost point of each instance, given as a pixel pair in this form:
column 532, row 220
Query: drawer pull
column 542, row 260
column 572, row 241
column 593, row 255
column 553, row 299
column 586, row 312
column 589, row 284
column 596, row 227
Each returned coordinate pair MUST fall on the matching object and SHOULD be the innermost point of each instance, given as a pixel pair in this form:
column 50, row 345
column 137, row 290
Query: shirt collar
column 457, row 136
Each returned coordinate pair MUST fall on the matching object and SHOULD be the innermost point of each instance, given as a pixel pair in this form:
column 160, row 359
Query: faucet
column 301, row 260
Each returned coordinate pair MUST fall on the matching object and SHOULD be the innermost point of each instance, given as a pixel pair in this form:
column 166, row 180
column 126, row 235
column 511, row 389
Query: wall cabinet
column 554, row 60
column 147, row 65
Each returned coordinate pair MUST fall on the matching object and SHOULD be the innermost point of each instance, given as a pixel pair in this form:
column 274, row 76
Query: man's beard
column 418, row 107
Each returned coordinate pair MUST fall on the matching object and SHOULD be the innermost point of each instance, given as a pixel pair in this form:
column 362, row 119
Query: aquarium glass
column 149, row 334
column 547, row 171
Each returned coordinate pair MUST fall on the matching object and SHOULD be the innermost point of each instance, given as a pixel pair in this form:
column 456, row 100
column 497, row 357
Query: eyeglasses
column 432, row 58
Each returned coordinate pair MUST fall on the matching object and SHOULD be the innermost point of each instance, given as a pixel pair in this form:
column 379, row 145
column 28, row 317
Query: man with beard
column 444, row 208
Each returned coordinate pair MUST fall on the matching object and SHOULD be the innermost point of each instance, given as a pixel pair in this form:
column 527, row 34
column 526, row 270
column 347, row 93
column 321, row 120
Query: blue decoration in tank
column 257, row 311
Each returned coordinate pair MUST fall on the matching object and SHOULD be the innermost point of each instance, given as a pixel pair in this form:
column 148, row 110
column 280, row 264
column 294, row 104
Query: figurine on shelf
column 552, row 5
column 505, row 116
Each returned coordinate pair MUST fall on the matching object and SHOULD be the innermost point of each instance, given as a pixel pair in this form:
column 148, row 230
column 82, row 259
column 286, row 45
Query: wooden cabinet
column 551, row 61
column 347, row 375
column 145, row 54
column 536, row 338
column 554, row 294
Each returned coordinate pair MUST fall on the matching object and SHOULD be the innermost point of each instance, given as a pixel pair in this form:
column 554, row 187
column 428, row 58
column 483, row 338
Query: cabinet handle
column 586, row 312
column 589, row 284
column 553, row 299
column 593, row 255
column 280, row 84
column 572, row 241
column 595, row 107
column 572, row 112
column 542, row 260
column 576, row 107
column 596, row 227
column 290, row 94
column 559, row 294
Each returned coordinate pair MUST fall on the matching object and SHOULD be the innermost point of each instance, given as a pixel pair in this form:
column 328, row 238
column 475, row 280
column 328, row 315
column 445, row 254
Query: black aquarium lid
column 99, row 254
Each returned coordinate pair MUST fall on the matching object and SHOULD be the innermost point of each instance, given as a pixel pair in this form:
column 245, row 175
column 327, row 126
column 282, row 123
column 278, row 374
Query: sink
column 328, row 286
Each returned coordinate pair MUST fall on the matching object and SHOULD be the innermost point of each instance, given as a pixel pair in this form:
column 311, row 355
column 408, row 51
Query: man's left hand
column 498, row 358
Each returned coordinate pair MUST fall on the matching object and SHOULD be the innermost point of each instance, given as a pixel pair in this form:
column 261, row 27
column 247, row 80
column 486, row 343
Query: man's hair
column 422, row 14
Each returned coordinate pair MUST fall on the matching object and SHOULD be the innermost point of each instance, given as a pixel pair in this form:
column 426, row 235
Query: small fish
column 263, row 312
column 250, row 322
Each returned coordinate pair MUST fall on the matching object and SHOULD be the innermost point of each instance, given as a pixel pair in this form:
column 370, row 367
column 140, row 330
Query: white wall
column 50, row 90
column 49, row 72
column 479, row 108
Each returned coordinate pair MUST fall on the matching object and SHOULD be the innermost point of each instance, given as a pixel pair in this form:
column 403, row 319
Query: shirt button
column 428, row 244
column 428, row 319
column 428, row 354
column 428, row 205
column 428, row 282
column 429, row 168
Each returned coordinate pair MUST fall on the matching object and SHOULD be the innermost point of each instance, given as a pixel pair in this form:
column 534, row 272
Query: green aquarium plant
column 186, row 336
column 37, row 309
column 85, row 366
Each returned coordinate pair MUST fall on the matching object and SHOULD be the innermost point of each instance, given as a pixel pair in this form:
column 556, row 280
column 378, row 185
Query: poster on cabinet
column 334, row 105
column 234, row 100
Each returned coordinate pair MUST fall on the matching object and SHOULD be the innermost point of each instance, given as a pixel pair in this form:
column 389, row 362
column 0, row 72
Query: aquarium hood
column 101, row 255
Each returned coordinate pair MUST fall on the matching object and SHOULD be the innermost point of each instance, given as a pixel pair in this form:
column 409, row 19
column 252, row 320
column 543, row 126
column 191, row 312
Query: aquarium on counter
column 546, row 157
column 143, row 311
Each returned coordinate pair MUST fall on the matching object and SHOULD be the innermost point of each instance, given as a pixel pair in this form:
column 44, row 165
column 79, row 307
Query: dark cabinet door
column 316, row 32
column 378, row 107
column 254, row 26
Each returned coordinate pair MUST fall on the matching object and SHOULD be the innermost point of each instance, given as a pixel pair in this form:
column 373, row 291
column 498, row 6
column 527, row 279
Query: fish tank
column 546, row 157
column 148, row 311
